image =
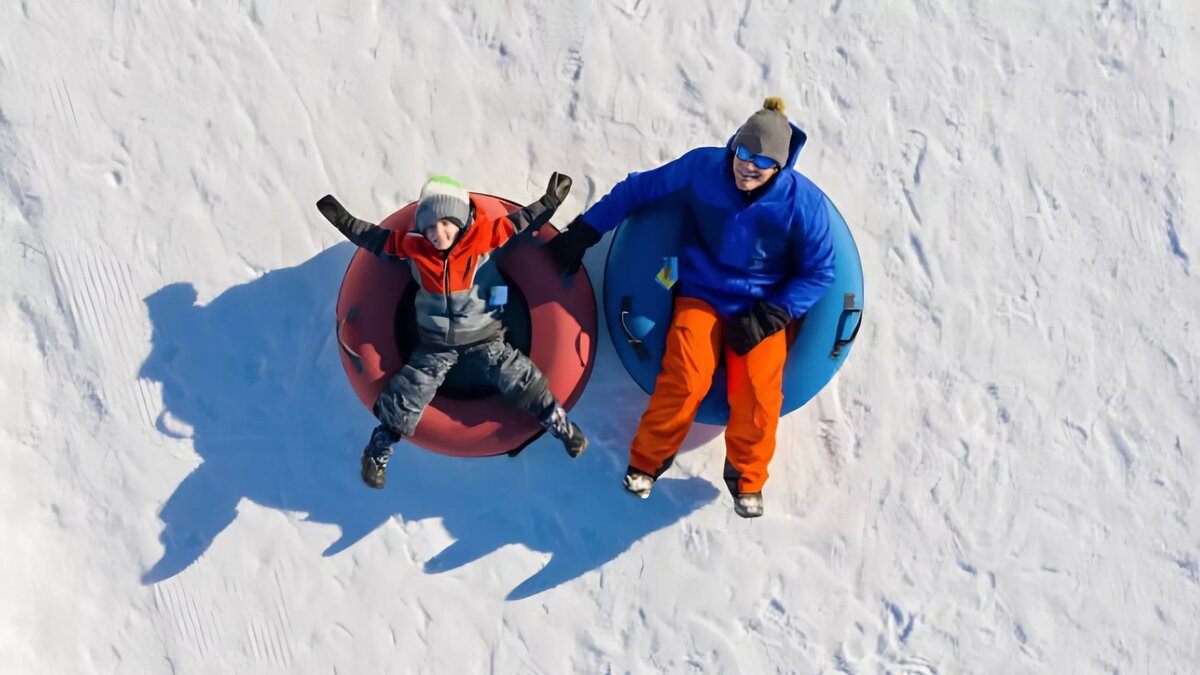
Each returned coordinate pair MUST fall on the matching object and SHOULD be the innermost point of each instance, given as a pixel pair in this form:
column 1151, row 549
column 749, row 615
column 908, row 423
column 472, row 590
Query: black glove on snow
column 333, row 210
column 744, row 331
column 359, row 232
column 568, row 247
column 556, row 190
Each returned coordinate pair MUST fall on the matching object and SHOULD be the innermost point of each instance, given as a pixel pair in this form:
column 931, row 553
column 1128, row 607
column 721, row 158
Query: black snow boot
column 573, row 440
column 376, row 455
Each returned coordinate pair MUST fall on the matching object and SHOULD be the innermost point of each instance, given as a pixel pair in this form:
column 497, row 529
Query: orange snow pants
column 755, row 389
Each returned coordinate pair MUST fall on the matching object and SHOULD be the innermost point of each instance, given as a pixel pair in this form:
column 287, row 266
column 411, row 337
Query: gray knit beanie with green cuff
column 767, row 132
column 443, row 197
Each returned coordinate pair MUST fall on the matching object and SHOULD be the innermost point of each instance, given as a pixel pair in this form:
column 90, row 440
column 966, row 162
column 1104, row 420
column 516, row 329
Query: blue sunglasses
column 761, row 161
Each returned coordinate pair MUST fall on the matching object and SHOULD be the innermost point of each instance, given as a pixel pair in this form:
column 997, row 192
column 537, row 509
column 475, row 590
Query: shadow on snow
column 257, row 375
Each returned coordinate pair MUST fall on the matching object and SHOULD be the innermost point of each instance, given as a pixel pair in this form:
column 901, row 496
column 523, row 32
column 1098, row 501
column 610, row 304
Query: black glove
column 568, row 247
column 333, row 210
column 744, row 331
column 556, row 190
column 361, row 233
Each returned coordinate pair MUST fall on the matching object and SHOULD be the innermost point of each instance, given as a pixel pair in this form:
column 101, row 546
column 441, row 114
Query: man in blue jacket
column 757, row 255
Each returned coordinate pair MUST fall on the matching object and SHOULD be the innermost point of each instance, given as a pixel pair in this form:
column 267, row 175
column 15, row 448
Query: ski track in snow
column 1001, row 479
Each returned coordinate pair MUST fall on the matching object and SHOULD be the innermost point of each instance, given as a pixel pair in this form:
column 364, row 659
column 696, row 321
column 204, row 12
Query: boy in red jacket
column 458, row 314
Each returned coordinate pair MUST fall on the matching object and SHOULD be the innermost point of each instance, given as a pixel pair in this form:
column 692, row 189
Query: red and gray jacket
column 459, row 301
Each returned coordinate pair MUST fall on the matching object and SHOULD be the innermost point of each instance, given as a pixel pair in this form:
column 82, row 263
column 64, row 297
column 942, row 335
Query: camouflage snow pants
column 494, row 362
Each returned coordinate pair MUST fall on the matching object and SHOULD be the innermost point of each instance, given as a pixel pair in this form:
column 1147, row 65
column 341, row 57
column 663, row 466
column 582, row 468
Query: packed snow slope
column 1002, row 479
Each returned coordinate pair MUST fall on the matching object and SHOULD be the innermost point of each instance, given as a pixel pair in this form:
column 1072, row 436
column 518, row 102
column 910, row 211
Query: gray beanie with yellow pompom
column 766, row 132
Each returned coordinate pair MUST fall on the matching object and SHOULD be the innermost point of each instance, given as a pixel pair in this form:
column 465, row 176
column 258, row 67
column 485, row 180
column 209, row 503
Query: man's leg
column 755, row 388
column 693, row 341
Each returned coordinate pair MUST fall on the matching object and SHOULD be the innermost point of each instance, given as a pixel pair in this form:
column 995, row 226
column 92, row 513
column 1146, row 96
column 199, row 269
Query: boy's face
column 442, row 234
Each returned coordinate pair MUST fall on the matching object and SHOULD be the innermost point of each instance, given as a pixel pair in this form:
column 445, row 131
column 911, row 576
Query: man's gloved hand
column 556, row 190
column 744, row 331
column 568, row 247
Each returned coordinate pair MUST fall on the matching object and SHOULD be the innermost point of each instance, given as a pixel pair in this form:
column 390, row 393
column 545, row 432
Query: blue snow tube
column 637, row 308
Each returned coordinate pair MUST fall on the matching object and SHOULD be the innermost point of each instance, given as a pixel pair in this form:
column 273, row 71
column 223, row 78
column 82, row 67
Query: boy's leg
column 755, row 390
column 514, row 374
column 522, row 384
column 406, row 395
column 693, row 341
column 400, row 405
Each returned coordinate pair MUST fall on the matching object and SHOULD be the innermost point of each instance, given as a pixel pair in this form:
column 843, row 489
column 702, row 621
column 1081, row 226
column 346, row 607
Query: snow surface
column 1002, row 479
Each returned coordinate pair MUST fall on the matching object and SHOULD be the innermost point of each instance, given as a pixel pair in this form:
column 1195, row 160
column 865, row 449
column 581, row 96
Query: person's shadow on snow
column 256, row 374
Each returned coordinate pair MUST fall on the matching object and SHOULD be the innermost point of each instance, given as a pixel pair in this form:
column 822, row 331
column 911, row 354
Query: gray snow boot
column 638, row 483
column 748, row 504
column 376, row 455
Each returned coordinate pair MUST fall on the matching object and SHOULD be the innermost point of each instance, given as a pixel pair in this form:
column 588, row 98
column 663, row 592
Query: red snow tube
column 552, row 321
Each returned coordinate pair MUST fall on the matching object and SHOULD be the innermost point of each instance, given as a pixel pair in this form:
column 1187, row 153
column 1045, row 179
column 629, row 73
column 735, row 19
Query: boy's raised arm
column 360, row 233
column 536, row 214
